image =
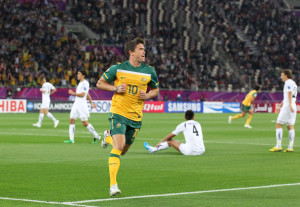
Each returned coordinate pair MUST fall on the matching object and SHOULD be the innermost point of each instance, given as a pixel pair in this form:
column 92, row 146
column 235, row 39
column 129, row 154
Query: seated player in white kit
column 288, row 112
column 192, row 132
column 47, row 90
column 80, row 108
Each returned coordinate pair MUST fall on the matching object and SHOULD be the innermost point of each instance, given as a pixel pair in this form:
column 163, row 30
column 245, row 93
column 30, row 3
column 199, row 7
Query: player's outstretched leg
column 93, row 132
column 149, row 147
column 161, row 146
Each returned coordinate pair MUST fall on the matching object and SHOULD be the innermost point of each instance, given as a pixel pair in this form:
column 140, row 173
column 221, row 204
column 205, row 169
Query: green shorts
column 246, row 108
column 121, row 125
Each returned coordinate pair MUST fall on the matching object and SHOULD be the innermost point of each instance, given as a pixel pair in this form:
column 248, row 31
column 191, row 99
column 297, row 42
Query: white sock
column 51, row 116
column 41, row 117
column 292, row 138
column 71, row 131
column 162, row 146
column 92, row 130
column 278, row 137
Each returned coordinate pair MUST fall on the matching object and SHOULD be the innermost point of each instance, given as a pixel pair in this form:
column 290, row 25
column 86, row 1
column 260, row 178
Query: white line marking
column 48, row 202
column 186, row 193
column 77, row 203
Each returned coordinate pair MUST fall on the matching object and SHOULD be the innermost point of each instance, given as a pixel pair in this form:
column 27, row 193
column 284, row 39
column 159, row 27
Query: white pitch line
column 46, row 202
column 77, row 203
column 185, row 193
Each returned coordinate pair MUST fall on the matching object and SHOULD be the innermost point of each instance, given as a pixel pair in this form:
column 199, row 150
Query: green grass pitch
column 40, row 170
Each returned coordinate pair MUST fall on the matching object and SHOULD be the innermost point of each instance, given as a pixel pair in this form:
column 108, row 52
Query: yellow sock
column 236, row 116
column 114, row 164
column 109, row 140
column 249, row 119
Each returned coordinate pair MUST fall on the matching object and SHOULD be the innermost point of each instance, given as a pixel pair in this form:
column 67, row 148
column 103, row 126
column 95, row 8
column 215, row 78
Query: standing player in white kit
column 288, row 112
column 80, row 108
column 193, row 138
column 47, row 90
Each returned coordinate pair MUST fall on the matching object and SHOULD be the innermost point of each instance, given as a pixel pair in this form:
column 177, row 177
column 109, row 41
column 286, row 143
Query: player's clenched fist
column 121, row 88
column 142, row 94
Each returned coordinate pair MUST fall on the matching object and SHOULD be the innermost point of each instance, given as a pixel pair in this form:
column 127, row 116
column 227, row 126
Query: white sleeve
column 289, row 86
column 52, row 87
column 179, row 129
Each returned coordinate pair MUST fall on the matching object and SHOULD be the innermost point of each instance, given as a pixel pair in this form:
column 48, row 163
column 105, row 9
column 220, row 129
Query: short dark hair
column 131, row 45
column 189, row 114
column 83, row 72
column 257, row 87
column 288, row 73
column 42, row 77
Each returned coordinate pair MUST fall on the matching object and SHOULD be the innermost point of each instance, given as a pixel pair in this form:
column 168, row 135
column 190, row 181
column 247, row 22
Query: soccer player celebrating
column 131, row 79
column 192, row 132
column 80, row 108
column 246, row 107
column 47, row 90
column 288, row 111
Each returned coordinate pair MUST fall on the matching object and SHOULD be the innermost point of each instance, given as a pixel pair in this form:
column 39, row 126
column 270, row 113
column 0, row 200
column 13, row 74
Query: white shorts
column 45, row 104
column 286, row 116
column 80, row 112
column 188, row 150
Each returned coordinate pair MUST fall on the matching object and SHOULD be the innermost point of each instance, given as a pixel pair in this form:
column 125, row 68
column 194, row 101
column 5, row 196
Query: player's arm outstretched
column 167, row 138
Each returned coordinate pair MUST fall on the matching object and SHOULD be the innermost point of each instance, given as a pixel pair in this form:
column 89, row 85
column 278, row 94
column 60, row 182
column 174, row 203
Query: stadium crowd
column 32, row 43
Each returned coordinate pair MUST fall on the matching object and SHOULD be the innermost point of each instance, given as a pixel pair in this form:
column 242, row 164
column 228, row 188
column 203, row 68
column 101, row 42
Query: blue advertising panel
column 212, row 107
column 101, row 106
column 231, row 107
column 182, row 107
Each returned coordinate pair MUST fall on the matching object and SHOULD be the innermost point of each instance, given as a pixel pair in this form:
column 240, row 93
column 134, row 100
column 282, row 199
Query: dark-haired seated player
column 192, row 132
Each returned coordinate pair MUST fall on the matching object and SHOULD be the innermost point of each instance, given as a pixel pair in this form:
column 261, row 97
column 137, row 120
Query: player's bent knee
column 85, row 123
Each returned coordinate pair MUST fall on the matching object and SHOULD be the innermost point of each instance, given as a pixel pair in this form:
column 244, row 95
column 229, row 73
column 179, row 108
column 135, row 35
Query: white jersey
column 286, row 116
column 47, row 87
column 192, row 132
column 83, row 87
column 289, row 85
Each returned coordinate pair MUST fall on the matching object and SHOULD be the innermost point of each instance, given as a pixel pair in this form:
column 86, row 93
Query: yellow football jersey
column 247, row 100
column 129, row 104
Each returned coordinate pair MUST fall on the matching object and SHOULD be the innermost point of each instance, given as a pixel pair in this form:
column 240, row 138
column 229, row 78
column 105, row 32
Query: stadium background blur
column 194, row 46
